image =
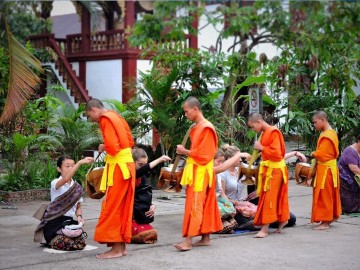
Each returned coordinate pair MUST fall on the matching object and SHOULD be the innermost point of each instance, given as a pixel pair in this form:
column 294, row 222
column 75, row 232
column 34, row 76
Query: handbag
column 142, row 203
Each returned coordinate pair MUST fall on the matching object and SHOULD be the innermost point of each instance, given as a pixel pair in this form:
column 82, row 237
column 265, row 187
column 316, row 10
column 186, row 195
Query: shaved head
column 320, row 121
column 193, row 102
column 321, row 115
column 254, row 117
column 94, row 103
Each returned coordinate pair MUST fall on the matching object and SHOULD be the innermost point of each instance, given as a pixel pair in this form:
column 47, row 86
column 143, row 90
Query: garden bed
column 25, row 195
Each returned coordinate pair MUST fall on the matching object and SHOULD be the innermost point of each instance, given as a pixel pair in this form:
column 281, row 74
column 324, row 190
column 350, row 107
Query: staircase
column 62, row 67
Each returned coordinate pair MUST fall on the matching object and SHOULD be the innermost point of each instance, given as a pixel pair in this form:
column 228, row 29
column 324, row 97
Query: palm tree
column 23, row 68
column 22, row 79
column 75, row 134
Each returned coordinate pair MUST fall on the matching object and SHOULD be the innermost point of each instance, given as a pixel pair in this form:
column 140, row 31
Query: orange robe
column 326, row 204
column 273, row 202
column 115, row 219
column 201, row 210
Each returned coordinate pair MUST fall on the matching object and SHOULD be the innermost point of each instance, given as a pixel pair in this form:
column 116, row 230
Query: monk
column 272, row 184
column 326, row 205
column 118, row 180
column 201, row 215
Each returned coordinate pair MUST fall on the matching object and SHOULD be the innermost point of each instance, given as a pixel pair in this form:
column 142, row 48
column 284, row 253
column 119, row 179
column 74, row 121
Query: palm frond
column 23, row 81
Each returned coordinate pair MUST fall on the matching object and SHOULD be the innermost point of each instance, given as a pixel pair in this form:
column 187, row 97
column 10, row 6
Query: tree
column 318, row 67
column 319, row 43
column 20, row 80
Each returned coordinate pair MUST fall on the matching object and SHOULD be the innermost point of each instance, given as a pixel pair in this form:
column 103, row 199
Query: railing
column 105, row 41
column 73, row 44
column 77, row 90
column 99, row 41
column 108, row 40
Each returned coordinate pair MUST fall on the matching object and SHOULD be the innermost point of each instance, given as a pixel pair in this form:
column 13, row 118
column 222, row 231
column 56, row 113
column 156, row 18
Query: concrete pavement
column 299, row 247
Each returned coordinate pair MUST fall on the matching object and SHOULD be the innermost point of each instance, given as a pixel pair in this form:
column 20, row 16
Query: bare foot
column 184, row 246
column 280, row 227
column 123, row 249
column 261, row 234
column 202, row 243
column 109, row 255
column 322, row 226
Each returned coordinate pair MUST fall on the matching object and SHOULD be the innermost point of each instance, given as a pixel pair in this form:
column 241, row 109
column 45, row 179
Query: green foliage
column 4, row 76
column 160, row 99
column 134, row 113
column 170, row 22
column 164, row 89
column 29, row 155
column 24, row 24
column 38, row 115
column 24, row 158
column 317, row 68
column 74, row 133
column 23, row 21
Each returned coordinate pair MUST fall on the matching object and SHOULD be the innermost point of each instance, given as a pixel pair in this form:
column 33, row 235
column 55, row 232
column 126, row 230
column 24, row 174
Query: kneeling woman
column 66, row 196
column 144, row 210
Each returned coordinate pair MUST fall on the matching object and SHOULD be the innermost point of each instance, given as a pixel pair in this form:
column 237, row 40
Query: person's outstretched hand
column 301, row 156
column 164, row 158
column 151, row 211
column 86, row 160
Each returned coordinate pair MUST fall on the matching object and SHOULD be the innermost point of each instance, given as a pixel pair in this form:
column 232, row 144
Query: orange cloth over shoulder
column 273, row 203
column 326, row 205
column 201, row 210
column 115, row 219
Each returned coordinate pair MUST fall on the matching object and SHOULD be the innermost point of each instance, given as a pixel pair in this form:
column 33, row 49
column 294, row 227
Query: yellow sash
column 187, row 176
column 332, row 165
column 120, row 159
column 270, row 165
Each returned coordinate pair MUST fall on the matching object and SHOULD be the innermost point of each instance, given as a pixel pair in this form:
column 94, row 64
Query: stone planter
column 25, row 195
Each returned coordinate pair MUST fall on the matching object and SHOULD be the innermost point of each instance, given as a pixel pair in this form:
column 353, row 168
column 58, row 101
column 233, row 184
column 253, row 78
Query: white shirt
column 234, row 189
column 56, row 193
column 218, row 186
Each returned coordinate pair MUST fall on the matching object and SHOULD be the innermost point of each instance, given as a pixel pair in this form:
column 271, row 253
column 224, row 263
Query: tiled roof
column 66, row 25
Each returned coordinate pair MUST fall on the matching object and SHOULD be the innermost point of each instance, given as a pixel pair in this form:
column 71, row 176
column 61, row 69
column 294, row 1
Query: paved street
column 299, row 247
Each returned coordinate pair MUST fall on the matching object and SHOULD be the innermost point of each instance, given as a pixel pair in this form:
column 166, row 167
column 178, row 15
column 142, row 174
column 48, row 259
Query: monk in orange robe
column 201, row 215
column 326, row 205
column 118, row 180
column 272, row 183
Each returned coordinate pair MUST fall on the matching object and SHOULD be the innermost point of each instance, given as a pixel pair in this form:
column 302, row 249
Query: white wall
column 143, row 66
column 75, row 67
column 103, row 79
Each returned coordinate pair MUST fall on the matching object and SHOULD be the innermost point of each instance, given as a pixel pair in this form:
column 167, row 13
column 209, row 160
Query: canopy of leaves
column 318, row 40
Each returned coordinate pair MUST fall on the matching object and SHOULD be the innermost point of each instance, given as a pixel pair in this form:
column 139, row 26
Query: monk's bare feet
column 111, row 254
column 322, row 226
column 184, row 246
column 204, row 241
column 201, row 243
column 280, row 227
column 123, row 249
column 261, row 234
